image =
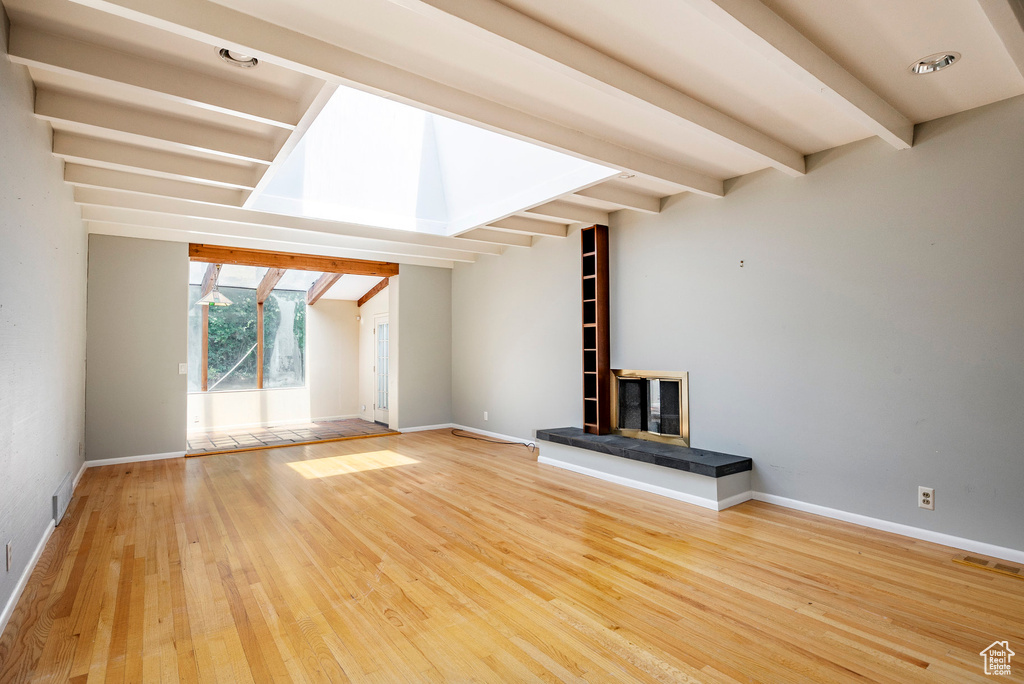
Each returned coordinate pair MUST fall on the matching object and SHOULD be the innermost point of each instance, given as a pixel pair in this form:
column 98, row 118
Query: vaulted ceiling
column 163, row 139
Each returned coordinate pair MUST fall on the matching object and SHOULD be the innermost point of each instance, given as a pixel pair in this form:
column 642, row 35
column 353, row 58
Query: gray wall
column 42, row 323
column 420, row 323
column 137, row 336
column 872, row 342
column 516, row 340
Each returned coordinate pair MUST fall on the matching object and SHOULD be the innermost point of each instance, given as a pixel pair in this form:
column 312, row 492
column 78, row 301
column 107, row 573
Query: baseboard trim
column 134, row 459
column 495, row 435
column 635, row 484
column 983, row 548
column 477, row 431
column 424, row 428
column 735, row 500
column 78, row 477
column 12, row 602
column 329, row 418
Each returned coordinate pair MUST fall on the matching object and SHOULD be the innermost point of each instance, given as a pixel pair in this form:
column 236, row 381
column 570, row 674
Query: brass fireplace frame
column 684, row 405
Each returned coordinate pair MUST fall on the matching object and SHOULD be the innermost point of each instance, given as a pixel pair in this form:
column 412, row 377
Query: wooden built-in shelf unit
column 596, row 342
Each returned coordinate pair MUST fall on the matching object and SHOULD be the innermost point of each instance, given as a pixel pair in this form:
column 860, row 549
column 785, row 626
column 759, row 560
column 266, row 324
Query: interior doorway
column 380, row 368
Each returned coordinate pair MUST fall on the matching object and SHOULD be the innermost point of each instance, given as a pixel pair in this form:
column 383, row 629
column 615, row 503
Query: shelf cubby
column 596, row 344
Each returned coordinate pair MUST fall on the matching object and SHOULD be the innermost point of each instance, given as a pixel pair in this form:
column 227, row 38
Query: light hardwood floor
column 426, row 557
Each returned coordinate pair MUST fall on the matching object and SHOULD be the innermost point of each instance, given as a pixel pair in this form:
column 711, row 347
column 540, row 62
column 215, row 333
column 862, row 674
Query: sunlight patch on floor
column 349, row 463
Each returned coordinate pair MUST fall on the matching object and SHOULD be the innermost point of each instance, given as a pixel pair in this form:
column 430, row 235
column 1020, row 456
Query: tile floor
column 213, row 442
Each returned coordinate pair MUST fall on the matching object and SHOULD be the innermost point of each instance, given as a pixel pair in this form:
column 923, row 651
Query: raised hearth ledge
column 707, row 479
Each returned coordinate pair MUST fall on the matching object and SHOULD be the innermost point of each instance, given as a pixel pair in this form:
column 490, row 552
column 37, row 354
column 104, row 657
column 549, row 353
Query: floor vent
column 994, row 566
column 61, row 499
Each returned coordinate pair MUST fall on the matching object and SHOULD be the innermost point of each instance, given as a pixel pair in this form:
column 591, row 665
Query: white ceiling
column 162, row 139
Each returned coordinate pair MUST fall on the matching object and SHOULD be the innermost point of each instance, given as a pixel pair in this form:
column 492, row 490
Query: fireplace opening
column 651, row 405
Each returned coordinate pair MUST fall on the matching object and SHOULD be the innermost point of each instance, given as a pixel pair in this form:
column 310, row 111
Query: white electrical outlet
column 926, row 498
column 182, row 369
column 10, row 556
column 485, row 415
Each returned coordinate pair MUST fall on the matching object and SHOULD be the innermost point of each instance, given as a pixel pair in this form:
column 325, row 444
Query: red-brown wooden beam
column 373, row 292
column 301, row 262
column 269, row 282
column 210, row 279
column 320, row 287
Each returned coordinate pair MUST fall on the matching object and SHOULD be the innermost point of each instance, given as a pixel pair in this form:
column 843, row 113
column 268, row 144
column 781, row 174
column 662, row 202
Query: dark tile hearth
column 697, row 461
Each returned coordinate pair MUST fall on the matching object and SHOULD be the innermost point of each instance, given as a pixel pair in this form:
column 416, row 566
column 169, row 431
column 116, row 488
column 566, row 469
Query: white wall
column 377, row 306
column 42, row 325
column 332, row 347
column 247, row 408
column 332, row 380
column 872, row 342
column 137, row 336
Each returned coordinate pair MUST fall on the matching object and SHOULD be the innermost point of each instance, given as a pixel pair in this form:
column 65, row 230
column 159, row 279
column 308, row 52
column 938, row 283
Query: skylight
column 373, row 161
column 348, row 287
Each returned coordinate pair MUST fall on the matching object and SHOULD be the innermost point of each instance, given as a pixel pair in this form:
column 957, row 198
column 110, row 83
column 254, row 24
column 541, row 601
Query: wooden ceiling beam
column 64, row 55
column 190, row 229
column 625, row 199
column 214, row 23
column 320, row 287
column 269, row 282
column 1007, row 19
column 301, row 262
column 210, row 278
column 108, row 154
column 528, row 226
column 508, row 28
column 231, row 235
column 776, row 41
column 567, row 212
column 497, row 237
column 373, row 291
column 426, row 244
column 139, row 126
column 109, row 179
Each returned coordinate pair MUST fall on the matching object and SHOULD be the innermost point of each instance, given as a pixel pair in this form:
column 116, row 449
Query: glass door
column 380, row 369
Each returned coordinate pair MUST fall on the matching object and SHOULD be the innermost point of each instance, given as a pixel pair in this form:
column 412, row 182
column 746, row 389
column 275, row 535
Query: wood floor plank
column 428, row 558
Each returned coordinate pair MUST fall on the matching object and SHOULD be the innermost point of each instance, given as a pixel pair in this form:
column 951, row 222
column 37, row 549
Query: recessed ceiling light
column 627, row 175
column 238, row 59
column 936, row 62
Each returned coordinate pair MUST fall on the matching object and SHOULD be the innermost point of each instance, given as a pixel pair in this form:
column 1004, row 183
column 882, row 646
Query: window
column 230, row 334
column 284, row 339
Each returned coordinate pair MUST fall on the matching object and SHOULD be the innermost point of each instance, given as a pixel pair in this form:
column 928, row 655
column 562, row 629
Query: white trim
column 477, row 431
column 78, row 477
column 135, row 459
column 424, row 428
column 12, row 602
column 495, row 435
column 896, row 528
column 326, row 418
column 735, row 500
column 636, row 484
